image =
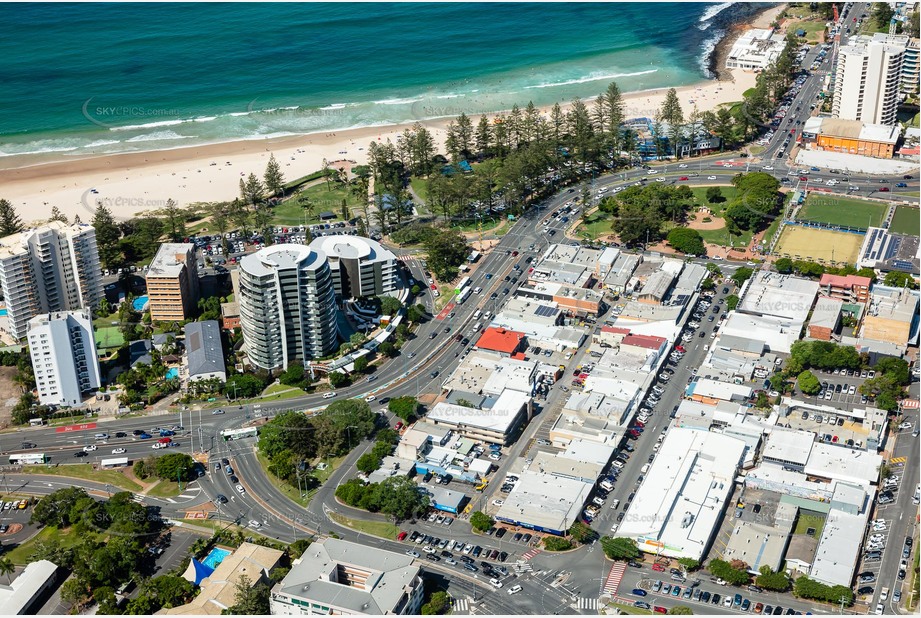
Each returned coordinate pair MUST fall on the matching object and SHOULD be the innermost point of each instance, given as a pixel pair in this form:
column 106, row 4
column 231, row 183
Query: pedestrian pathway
column 460, row 605
column 583, row 603
column 614, row 577
column 530, row 554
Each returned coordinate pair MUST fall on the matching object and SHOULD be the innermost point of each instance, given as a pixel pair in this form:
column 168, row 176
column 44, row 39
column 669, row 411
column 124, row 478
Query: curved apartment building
column 287, row 305
column 360, row 266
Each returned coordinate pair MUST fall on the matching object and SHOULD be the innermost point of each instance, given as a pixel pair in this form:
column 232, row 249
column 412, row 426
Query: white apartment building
column 54, row 267
column 360, row 266
column 287, row 305
column 868, row 78
column 63, row 352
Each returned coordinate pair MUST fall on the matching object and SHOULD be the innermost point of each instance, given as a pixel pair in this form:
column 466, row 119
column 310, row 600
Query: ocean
column 84, row 79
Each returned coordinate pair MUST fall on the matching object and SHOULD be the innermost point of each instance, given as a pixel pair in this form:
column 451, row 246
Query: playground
column 820, row 245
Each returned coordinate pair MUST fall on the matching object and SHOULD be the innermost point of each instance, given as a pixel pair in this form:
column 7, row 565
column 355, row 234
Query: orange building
column 851, row 136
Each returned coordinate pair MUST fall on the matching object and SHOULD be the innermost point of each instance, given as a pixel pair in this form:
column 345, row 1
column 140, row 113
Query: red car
column 401, row 536
column 434, row 287
column 683, row 178
column 680, row 348
column 658, row 567
column 514, row 254
column 639, row 423
column 884, row 189
column 659, row 609
column 803, row 178
column 398, row 426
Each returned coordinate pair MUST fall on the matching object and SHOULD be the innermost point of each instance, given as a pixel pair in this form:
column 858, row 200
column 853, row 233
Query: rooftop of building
column 268, row 260
column 12, row 244
column 845, row 281
column 203, row 347
column 826, row 312
column 44, row 318
column 16, row 596
column 170, row 259
column 857, row 129
column 499, row 418
column 545, row 501
column 499, row 340
column 315, row 577
column 773, row 294
column 350, row 247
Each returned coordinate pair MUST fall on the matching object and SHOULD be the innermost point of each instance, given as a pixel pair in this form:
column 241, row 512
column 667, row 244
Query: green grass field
column 109, row 337
column 721, row 237
column 381, row 529
column 595, row 225
column 20, row 554
column 86, row 472
column 700, row 194
column 291, row 212
column 810, row 519
column 842, row 211
column 906, row 221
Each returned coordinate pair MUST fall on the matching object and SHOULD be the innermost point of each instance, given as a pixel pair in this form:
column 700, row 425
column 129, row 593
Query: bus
column 242, row 432
column 473, row 257
column 463, row 295
column 460, row 286
column 28, row 458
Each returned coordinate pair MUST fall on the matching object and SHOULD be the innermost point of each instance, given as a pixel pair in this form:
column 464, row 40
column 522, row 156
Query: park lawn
column 381, row 529
column 721, row 236
column 629, row 609
column 19, row 555
column 420, row 187
column 595, row 225
column 810, row 519
column 700, row 195
column 290, row 212
column 842, row 211
column 814, row 30
column 772, row 229
column 906, row 221
column 483, row 225
column 86, row 472
column 332, row 464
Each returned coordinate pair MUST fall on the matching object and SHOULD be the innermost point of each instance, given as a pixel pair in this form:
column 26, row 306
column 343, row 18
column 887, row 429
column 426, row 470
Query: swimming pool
column 215, row 557
column 2, row 311
column 139, row 303
column 171, row 373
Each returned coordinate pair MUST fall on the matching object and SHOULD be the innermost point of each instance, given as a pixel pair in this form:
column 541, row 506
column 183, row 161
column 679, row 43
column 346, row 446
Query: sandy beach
column 137, row 182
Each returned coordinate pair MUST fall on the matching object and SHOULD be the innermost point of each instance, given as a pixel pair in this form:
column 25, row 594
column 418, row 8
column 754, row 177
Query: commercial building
column 891, row 317
column 677, row 510
column 656, row 288
column 335, row 577
column 755, row 50
column 172, row 283
column 495, row 424
column 825, row 318
column 868, row 76
column 287, row 305
column 763, row 542
column 204, row 351
column 360, row 266
column 851, row 137
column 849, row 288
column 63, row 351
column 545, row 502
column 502, row 341
column 886, row 251
column 219, row 584
column 575, row 300
column 20, row 596
column 54, row 267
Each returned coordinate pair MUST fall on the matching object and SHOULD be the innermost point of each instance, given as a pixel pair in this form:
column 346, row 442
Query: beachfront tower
column 287, row 305
column 50, row 268
column 868, row 77
column 63, row 351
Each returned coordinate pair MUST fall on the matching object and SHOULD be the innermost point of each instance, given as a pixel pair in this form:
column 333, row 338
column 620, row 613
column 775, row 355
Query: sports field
column 842, row 211
column 820, row 245
column 906, row 220
column 109, row 337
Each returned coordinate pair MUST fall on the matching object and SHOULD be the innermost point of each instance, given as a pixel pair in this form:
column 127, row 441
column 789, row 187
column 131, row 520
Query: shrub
column 556, row 543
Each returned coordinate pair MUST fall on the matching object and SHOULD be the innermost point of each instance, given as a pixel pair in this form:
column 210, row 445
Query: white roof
column 838, row 551
column 349, row 247
column 589, row 452
column 165, row 263
column 721, row 390
column 776, row 332
column 790, row 445
column 679, row 505
column 545, row 501
column 16, row 596
column 498, row 418
column 773, row 294
column 844, row 464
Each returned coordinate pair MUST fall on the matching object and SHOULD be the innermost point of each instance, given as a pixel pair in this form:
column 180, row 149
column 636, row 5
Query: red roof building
column 648, row 342
column 506, row 342
column 849, row 288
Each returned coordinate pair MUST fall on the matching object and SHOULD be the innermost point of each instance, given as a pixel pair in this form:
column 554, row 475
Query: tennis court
column 109, row 337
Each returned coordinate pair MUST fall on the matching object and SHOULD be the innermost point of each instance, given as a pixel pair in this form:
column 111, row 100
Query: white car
column 254, row 524
column 495, row 582
column 370, row 398
column 514, row 590
column 118, row 451
column 428, row 549
column 653, row 171
column 498, row 502
column 89, row 448
column 660, row 180
column 240, row 489
column 711, row 177
column 768, row 168
column 906, row 425
column 683, row 165
column 329, row 395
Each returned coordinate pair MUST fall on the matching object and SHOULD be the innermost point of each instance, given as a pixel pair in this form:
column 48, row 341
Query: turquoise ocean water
column 84, row 79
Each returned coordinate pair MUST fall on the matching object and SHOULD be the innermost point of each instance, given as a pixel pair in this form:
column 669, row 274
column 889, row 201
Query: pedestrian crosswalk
column 613, row 581
column 530, row 554
column 583, row 603
column 460, row 605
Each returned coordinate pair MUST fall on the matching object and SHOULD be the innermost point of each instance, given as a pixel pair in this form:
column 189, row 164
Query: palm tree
column 7, row 568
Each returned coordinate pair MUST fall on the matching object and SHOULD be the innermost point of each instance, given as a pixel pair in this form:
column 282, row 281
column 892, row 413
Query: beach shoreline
column 134, row 183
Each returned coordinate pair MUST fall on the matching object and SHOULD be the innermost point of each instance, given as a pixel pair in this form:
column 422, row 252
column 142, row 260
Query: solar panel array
column 545, row 311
